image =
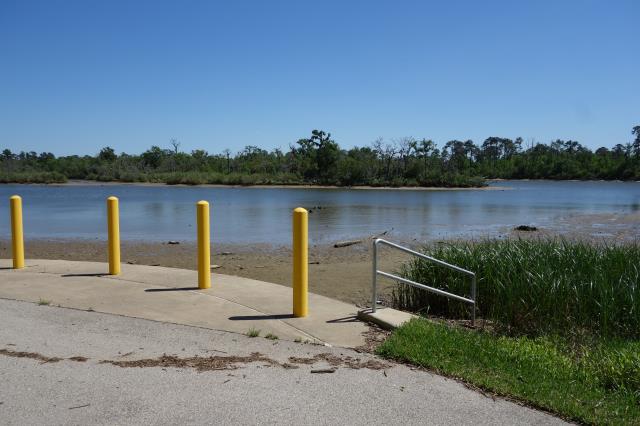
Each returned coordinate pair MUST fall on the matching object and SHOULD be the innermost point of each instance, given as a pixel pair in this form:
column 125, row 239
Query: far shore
column 499, row 187
column 304, row 186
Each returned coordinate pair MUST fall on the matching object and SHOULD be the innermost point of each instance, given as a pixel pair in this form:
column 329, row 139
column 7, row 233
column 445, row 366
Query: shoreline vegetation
column 81, row 182
column 319, row 161
column 559, row 328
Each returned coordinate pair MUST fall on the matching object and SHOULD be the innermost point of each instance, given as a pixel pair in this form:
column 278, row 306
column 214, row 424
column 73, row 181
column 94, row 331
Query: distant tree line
column 319, row 160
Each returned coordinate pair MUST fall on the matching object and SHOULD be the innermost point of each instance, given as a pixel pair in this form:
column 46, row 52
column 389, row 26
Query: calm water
column 245, row 215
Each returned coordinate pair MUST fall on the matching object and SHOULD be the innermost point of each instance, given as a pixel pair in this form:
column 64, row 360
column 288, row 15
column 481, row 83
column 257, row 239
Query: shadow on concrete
column 156, row 290
column 85, row 275
column 351, row 318
column 6, row 267
column 260, row 317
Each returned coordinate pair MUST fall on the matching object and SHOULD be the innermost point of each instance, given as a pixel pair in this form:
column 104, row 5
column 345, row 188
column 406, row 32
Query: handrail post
column 17, row 233
column 475, row 299
column 374, row 278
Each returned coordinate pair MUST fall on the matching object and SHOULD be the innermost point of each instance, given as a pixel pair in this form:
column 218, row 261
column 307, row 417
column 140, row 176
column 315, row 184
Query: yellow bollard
column 204, row 249
column 300, row 262
column 113, row 225
column 17, row 235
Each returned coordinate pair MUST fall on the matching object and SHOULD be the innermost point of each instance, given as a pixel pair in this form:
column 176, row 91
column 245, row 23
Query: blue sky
column 79, row 75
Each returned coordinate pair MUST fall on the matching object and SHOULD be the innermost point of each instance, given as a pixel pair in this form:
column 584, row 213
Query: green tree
column 107, row 154
column 153, row 157
column 636, row 142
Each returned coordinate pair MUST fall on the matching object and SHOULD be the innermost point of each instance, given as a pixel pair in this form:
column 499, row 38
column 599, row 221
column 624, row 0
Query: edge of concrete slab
column 387, row 318
column 233, row 304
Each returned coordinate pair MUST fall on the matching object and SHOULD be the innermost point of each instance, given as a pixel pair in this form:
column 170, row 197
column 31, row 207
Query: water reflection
column 244, row 215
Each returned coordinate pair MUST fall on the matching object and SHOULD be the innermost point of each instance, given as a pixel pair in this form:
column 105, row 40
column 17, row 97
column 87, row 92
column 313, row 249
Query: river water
column 263, row 215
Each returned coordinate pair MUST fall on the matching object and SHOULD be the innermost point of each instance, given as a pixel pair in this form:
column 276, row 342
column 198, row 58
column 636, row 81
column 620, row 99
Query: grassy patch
column 271, row 336
column 44, row 302
column 599, row 383
column 535, row 287
column 253, row 332
column 565, row 323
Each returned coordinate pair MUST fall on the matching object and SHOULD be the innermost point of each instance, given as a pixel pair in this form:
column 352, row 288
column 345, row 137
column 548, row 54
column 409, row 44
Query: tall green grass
column 535, row 287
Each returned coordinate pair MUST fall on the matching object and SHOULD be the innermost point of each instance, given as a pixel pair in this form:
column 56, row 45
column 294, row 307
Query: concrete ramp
column 171, row 295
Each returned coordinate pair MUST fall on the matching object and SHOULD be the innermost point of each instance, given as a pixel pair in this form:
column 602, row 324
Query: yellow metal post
column 17, row 235
column 113, row 225
column 300, row 262
column 204, row 248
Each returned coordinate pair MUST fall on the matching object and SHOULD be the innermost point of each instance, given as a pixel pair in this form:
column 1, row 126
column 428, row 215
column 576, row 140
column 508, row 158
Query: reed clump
column 535, row 287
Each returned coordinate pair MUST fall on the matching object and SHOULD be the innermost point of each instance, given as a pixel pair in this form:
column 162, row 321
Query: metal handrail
column 376, row 272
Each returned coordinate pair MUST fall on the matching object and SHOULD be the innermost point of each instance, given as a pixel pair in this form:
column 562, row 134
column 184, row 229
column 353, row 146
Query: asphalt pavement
column 68, row 366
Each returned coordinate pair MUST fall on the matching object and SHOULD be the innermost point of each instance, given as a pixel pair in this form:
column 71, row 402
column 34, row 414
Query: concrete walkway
column 171, row 295
column 63, row 366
